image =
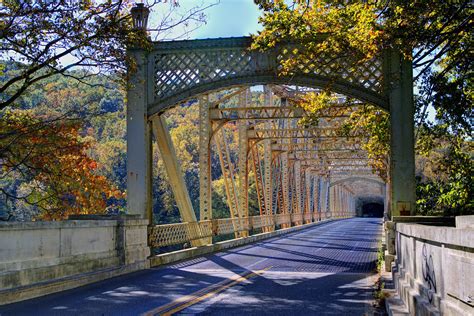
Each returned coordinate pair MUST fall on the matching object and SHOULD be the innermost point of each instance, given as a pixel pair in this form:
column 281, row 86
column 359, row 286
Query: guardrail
column 180, row 233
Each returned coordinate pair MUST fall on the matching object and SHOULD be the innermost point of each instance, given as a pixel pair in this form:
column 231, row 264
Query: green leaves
column 445, row 172
column 50, row 37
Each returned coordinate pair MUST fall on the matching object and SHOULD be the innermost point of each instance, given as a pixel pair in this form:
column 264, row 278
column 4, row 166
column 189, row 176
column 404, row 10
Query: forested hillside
column 64, row 152
column 63, row 149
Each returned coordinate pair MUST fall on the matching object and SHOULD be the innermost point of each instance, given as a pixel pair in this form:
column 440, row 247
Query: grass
column 379, row 294
column 380, row 258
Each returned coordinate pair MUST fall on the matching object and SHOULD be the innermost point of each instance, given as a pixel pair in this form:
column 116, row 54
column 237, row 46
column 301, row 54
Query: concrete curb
column 189, row 253
column 66, row 283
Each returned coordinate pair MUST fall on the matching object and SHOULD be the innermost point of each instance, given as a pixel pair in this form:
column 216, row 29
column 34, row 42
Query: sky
column 230, row 18
column 227, row 18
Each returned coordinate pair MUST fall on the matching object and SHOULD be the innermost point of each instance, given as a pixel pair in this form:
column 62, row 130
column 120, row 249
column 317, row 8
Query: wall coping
column 458, row 237
column 82, row 223
column 435, row 220
column 5, row 226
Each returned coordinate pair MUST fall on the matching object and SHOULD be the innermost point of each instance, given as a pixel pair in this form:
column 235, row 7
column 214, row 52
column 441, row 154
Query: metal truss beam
column 342, row 151
column 257, row 113
column 205, row 195
column 257, row 170
column 298, row 133
column 243, row 164
column 285, row 183
column 228, row 175
column 271, row 113
column 336, row 163
column 173, row 170
column 297, row 176
column 267, row 157
column 321, row 146
column 314, row 156
column 358, row 172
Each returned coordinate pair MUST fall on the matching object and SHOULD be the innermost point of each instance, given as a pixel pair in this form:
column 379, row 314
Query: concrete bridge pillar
column 139, row 147
column 402, row 159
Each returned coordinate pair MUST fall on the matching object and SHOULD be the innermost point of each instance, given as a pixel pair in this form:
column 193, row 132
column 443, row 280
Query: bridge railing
column 181, row 233
column 433, row 267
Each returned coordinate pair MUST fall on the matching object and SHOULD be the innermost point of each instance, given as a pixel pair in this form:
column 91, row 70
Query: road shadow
column 278, row 293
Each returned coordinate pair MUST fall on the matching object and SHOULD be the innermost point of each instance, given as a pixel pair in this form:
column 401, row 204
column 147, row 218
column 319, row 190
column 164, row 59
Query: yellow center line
column 198, row 296
column 191, row 296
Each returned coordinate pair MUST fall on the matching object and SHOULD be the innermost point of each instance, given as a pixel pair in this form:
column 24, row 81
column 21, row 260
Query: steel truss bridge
column 301, row 174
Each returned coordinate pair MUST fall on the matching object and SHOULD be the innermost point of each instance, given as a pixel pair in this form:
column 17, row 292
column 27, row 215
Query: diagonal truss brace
column 175, row 175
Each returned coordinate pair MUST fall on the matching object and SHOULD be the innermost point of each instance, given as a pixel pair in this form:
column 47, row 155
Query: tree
column 444, row 172
column 62, row 60
column 436, row 37
column 48, row 165
column 45, row 38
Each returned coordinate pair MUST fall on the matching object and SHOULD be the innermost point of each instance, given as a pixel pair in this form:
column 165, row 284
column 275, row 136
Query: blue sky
column 227, row 18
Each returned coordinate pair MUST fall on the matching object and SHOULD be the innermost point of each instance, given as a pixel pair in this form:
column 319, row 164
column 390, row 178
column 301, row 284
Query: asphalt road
column 324, row 270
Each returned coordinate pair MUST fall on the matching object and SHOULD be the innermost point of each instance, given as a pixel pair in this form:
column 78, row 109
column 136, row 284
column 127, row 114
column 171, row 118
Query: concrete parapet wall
column 434, row 268
column 38, row 258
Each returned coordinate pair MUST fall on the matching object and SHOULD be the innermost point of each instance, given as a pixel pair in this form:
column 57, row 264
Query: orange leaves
column 50, row 156
column 93, row 165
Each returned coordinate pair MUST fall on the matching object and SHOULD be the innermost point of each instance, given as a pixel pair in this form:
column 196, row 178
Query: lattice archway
column 179, row 70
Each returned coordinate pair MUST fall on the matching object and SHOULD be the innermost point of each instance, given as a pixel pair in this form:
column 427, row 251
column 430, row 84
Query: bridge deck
column 326, row 269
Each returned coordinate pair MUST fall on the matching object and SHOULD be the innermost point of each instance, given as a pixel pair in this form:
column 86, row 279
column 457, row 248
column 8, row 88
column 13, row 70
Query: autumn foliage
column 49, row 158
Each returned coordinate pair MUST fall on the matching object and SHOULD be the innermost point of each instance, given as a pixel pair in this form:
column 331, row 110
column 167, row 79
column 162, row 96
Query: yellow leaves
column 365, row 120
column 353, row 31
column 117, row 194
column 313, row 102
column 374, row 123
column 64, row 176
column 398, row 10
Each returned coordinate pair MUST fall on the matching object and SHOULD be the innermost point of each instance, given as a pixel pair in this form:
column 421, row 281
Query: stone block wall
column 38, row 258
column 434, row 268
